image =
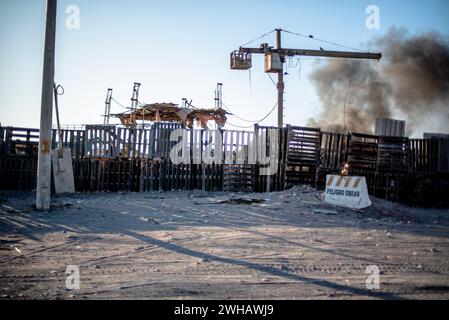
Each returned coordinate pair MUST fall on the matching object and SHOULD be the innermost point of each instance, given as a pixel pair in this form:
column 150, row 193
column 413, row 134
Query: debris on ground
column 242, row 201
column 326, row 211
column 214, row 245
column 228, row 200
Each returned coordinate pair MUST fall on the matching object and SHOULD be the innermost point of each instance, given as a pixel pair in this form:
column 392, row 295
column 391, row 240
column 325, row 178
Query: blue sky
column 181, row 49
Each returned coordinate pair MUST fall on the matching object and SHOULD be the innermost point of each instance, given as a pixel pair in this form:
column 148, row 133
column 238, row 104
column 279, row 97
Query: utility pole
column 44, row 155
column 241, row 59
column 280, row 84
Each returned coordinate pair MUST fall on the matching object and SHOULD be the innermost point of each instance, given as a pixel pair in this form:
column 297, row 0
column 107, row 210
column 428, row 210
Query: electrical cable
column 232, row 114
column 257, row 121
column 264, row 35
column 291, row 65
column 274, row 83
column 121, row 105
column 323, row 41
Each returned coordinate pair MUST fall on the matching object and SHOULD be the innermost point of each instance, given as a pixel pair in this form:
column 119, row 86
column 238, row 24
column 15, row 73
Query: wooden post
column 44, row 156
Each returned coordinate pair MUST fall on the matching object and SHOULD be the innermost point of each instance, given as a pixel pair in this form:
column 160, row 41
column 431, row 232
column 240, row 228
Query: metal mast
column 107, row 107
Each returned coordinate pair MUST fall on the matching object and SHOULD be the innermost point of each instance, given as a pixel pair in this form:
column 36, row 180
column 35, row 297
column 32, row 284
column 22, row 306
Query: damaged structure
column 172, row 113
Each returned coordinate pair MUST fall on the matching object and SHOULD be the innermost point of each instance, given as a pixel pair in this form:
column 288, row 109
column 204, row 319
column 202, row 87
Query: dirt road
column 194, row 245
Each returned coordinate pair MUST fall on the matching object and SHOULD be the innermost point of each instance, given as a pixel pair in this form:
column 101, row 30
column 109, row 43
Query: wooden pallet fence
column 362, row 151
column 275, row 182
column 429, row 156
column 18, row 173
column 20, row 141
column 333, row 155
column 392, row 186
column 73, row 139
column 237, row 164
column 239, row 178
column 114, row 158
column 302, row 155
column 393, row 154
column 333, row 150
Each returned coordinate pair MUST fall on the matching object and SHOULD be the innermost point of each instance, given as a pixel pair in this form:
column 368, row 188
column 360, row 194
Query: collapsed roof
column 170, row 112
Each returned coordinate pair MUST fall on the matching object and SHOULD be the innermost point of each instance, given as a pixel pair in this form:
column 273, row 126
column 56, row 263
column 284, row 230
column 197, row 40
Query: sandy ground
column 194, row 245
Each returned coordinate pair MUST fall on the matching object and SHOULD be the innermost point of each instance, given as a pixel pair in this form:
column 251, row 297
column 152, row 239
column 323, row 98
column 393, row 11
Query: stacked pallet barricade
column 393, row 154
column 301, row 155
column 393, row 181
column 114, row 158
column 238, row 167
column 275, row 181
column 18, row 159
column 332, row 155
column 429, row 163
column 362, row 151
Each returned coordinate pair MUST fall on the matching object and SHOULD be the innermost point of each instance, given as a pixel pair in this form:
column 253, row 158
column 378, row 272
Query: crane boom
column 315, row 53
column 241, row 60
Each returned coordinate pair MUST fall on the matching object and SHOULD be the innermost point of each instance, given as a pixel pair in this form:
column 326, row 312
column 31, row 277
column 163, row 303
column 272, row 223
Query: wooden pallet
column 20, row 141
column 429, row 156
column 301, row 155
column 18, row 173
column 362, row 151
column 393, row 154
column 333, row 151
column 238, row 178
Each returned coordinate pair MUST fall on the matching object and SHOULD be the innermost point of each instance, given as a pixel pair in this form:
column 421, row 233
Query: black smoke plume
column 411, row 82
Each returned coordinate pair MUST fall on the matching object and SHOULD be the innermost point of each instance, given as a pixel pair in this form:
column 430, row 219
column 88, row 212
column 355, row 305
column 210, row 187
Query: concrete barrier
column 346, row 191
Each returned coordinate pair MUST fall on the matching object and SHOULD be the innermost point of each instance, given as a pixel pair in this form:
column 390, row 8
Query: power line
column 321, row 40
column 264, row 35
column 256, row 121
column 271, row 111
column 121, row 105
column 232, row 114
column 274, row 83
